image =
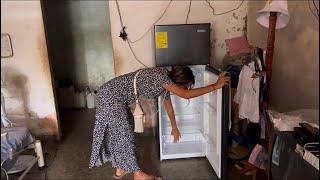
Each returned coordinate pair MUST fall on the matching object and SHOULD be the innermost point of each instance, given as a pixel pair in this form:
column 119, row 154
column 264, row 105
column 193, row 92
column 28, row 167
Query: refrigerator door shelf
column 209, row 141
column 214, row 159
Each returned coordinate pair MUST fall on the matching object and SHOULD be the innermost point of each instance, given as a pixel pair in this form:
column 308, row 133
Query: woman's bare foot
column 120, row 172
column 140, row 175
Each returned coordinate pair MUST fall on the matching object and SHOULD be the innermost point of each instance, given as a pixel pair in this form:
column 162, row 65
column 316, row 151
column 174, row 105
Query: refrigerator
column 203, row 123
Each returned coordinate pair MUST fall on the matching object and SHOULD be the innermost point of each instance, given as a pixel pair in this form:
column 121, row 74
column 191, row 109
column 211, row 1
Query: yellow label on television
column 161, row 40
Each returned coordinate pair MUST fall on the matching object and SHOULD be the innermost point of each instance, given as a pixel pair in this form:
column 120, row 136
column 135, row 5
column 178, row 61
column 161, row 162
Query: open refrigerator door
column 217, row 114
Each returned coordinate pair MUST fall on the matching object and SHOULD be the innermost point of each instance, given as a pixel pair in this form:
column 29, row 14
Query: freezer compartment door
column 216, row 118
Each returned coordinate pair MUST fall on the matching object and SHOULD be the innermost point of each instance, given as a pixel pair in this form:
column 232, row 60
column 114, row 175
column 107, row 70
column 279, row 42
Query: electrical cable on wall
column 160, row 17
column 314, row 3
column 226, row 12
column 315, row 14
column 124, row 35
column 188, row 11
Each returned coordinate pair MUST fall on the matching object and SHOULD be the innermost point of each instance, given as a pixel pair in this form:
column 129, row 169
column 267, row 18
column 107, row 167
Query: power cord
column 124, row 35
column 188, row 11
column 218, row 14
column 314, row 4
column 315, row 14
column 134, row 54
column 149, row 29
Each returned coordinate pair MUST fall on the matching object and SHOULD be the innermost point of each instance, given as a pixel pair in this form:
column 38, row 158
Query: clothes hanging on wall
column 259, row 57
column 247, row 95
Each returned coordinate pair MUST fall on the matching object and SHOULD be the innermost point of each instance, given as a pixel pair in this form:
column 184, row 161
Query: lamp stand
column 269, row 55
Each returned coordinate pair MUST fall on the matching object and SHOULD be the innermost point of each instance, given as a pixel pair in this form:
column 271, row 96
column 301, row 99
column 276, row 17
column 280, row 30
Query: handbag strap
column 135, row 84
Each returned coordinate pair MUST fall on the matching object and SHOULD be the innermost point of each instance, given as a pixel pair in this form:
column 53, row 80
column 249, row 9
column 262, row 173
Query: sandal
column 119, row 177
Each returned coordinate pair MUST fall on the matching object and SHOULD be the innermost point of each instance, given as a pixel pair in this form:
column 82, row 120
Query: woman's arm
column 175, row 131
column 191, row 93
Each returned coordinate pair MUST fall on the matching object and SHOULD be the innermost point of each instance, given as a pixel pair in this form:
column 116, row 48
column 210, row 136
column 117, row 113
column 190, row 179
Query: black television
column 182, row 44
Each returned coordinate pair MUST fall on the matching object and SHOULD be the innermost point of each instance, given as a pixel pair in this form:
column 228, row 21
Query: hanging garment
column 260, row 66
column 257, row 157
column 247, row 95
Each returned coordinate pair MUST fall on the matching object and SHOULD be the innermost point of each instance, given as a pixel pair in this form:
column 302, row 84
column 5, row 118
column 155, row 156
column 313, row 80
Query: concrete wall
column 138, row 16
column 80, row 41
column 28, row 89
column 295, row 74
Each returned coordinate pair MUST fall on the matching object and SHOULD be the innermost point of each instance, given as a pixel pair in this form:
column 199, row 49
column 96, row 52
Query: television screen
column 182, row 44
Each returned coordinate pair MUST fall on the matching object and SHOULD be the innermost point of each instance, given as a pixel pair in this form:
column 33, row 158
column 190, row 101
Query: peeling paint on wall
column 117, row 61
column 28, row 90
column 15, row 91
column 235, row 16
column 42, row 50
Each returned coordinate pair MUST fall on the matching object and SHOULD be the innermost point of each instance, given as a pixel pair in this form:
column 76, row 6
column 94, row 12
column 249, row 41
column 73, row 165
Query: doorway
column 80, row 53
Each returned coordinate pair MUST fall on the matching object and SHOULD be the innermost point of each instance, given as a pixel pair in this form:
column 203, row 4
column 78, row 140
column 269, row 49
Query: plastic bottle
column 90, row 100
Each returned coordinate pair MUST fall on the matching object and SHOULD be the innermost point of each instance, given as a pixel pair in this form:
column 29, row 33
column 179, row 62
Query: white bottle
column 90, row 100
column 82, row 99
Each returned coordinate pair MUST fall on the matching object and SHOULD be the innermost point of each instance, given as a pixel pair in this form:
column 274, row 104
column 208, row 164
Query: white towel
column 247, row 95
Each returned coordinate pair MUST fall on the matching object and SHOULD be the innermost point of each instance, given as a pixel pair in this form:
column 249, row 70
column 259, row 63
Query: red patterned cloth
column 238, row 45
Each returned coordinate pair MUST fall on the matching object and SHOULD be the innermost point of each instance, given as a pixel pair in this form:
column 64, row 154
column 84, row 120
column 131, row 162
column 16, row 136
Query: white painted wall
column 138, row 16
column 28, row 89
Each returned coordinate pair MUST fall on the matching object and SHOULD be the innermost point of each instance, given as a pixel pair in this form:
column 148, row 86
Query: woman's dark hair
column 182, row 75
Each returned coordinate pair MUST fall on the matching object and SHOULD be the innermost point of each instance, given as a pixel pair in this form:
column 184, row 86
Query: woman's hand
column 222, row 80
column 176, row 134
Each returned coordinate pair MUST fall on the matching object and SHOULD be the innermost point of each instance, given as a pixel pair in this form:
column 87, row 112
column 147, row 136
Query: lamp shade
column 279, row 6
